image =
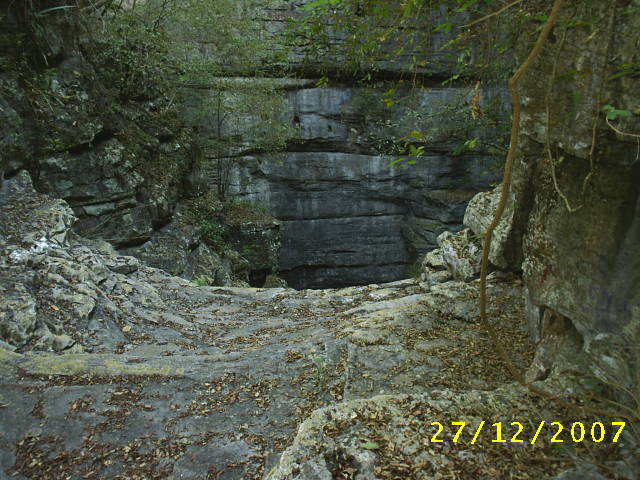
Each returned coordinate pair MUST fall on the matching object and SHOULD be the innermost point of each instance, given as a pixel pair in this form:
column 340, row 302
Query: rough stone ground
column 209, row 389
column 113, row 370
column 214, row 385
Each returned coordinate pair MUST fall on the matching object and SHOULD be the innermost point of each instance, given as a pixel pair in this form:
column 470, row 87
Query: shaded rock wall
column 580, row 231
column 119, row 163
column 354, row 219
column 120, row 159
column 348, row 216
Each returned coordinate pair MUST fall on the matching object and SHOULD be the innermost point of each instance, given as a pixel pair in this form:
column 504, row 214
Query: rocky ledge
column 112, row 369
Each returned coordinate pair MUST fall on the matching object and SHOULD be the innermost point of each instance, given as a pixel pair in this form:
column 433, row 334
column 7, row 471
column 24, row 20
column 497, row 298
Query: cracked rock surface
column 110, row 369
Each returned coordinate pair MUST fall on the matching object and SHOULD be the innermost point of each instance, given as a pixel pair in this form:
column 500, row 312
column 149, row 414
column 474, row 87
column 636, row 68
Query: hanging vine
column 631, row 414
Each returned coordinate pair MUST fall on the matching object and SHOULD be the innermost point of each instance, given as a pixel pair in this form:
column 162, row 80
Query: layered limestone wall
column 354, row 219
column 350, row 214
column 579, row 222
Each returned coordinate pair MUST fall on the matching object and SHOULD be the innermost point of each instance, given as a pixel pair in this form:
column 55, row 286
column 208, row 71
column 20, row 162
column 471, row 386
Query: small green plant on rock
column 213, row 233
column 202, row 281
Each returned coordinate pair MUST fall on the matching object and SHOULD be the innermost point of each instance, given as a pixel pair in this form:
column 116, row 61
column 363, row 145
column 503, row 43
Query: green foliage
column 248, row 250
column 230, row 108
column 453, row 124
column 176, row 39
column 183, row 58
column 613, row 113
column 202, row 281
column 225, row 37
column 323, row 82
column 402, row 36
column 254, row 206
column 387, row 98
column 213, row 233
column 133, row 59
column 377, row 34
column 236, row 115
column 321, row 3
column 160, row 49
column 626, row 70
column 206, row 213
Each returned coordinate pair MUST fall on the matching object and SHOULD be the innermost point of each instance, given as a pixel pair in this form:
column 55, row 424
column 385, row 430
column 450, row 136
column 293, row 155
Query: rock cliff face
column 67, row 127
column 576, row 195
column 120, row 161
column 350, row 217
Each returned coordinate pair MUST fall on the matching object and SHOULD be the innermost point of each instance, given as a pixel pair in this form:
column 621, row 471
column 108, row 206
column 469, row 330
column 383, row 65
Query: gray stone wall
column 355, row 219
column 580, row 231
column 347, row 216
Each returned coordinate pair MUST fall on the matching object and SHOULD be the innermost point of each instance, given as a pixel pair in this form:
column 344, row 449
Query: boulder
column 203, row 262
column 434, row 268
column 461, row 254
column 18, row 319
column 274, row 281
column 435, row 260
column 178, row 249
column 480, row 214
column 49, row 221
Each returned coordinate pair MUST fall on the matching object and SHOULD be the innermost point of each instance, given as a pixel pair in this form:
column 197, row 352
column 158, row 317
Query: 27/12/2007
column 575, row 432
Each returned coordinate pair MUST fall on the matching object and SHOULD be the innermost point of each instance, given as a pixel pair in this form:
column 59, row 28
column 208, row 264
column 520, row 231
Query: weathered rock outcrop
column 480, row 214
column 122, row 163
column 347, row 219
column 571, row 227
column 433, row 269
column 429, row 53
column 120, row 160
column 158, row 378
column 576, row 198
column 179, row 249
column 461, row 254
